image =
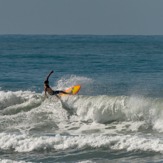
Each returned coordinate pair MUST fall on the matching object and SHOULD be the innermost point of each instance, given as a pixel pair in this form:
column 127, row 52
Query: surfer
column 48, row 89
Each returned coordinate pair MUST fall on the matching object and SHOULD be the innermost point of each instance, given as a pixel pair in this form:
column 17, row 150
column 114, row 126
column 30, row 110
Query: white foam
column 24, row 143
column 86, row 161
column 136, row 143
column 98, row 108
column 157, row 123
column 10, row 98
column 142, row 112
column 87, row 127
column 104, row 109
column 12, row 161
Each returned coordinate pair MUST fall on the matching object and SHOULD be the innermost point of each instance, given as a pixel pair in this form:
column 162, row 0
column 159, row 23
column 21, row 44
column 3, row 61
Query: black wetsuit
column 56, row 92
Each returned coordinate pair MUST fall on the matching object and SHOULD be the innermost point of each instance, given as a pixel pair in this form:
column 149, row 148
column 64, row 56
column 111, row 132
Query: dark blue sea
column 117, row 116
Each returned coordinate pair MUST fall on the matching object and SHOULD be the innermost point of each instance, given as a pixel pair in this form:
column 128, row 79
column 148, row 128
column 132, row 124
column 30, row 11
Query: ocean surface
column 116, row 117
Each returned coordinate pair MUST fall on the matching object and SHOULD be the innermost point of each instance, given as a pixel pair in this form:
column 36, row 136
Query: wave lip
column 107, row 109
column 100, row 109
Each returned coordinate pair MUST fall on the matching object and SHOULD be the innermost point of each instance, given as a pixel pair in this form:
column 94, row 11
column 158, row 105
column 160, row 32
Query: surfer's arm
column 47, row 78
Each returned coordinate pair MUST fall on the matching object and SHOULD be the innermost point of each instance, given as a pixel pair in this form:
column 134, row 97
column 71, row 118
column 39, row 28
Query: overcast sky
column 100, row 17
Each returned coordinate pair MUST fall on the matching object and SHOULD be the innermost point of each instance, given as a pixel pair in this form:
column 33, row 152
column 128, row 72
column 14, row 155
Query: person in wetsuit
column 48, row 89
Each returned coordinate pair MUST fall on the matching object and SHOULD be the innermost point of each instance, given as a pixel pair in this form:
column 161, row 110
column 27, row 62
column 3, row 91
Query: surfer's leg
column 58, row 92
column 64, row 92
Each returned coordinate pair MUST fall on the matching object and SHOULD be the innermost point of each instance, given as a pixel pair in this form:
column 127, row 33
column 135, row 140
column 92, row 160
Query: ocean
column 116, row 117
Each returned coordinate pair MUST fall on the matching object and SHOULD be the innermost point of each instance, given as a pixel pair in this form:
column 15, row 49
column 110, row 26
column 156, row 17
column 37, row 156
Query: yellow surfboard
column 72, row 90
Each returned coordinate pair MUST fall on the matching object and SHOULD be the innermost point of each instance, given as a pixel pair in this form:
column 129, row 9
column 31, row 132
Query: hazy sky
column 137, row 17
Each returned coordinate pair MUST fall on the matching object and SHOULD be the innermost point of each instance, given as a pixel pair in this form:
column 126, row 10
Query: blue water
column 116, row 116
